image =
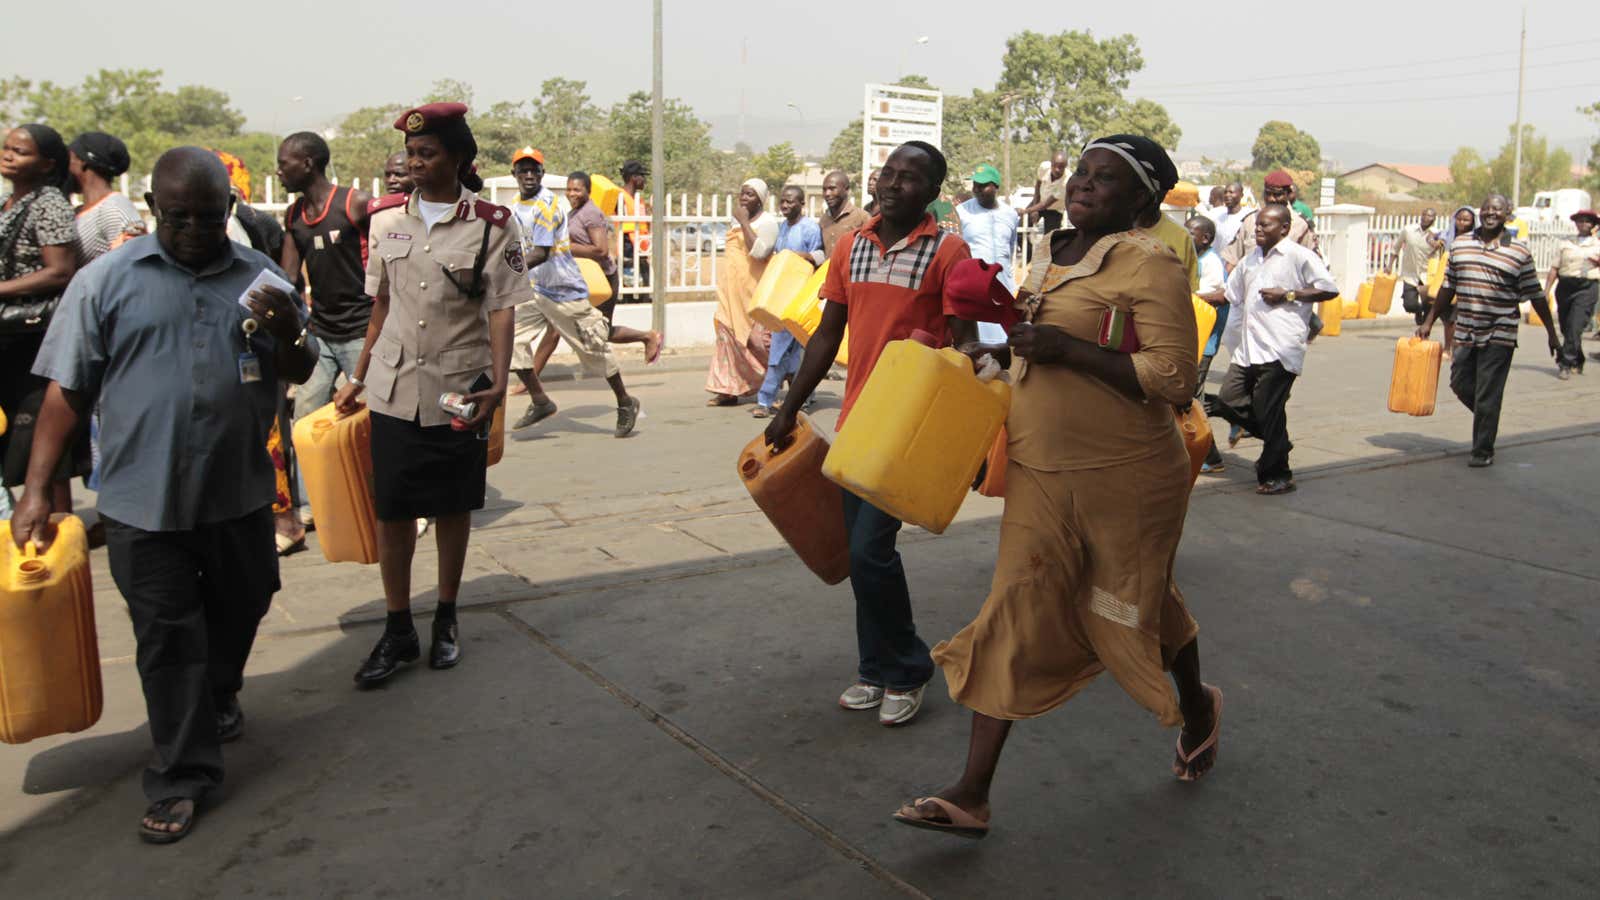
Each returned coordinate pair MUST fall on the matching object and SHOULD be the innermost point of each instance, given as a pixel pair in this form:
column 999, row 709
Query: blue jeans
column 783, row 360
column 333, row 357
column 892, row 655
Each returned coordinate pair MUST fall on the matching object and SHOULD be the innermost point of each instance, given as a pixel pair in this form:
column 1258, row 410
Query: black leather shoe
column 446, row 649
column 230, row 720
column 392, row 650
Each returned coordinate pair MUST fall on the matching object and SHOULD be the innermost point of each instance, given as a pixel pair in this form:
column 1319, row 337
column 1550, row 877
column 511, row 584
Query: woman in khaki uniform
column 444, row 270
column 1096, row 489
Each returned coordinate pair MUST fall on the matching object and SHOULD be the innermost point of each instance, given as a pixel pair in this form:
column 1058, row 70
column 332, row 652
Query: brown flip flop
column 957, row 821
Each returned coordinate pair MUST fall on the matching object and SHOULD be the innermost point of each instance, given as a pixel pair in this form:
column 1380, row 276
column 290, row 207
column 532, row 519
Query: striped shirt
column 1491, row 279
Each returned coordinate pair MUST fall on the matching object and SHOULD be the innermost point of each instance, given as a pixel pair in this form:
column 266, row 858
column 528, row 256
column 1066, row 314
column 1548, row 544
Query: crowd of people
column 171, row 343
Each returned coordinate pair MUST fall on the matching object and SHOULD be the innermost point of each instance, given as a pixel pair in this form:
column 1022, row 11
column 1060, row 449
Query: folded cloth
column 975, row 293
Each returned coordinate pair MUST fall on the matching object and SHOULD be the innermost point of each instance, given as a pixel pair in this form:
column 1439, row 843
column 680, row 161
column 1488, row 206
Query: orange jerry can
column 49, row 654
column 994, row 477
column 1195, row 427
column 1382, row 294
column 1332, row 312
column 806, row 508
column 1414, row 386
column 335, row 454
column 497, row 435
column 784, row 277
column 595, row 279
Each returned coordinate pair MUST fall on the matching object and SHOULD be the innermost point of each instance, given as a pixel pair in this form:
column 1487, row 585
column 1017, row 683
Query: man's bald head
column 193, row 170
column 192, row 199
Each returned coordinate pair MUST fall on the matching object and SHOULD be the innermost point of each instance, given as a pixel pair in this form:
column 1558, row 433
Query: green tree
column 1543, row 168
column 775, row 165
column 150, row 119
column 687, row 148
column 566, row 125
column 363, row 140
column 1279, row 143
column 844, row 151
column 1592, row 181
column 1148, row 118
column 1069, row 87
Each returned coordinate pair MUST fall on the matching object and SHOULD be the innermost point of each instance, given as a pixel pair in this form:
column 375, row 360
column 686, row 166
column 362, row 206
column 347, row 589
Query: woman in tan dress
column 740, row 360
column 1096, row 489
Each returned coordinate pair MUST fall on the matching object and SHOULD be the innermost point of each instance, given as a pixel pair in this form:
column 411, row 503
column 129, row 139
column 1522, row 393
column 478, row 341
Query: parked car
column 709, row 237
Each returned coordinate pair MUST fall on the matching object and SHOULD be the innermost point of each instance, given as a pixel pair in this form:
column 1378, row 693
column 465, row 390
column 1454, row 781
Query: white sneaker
column 305, row 517
column 422, row 527
column 899, row 708
column 861, row 696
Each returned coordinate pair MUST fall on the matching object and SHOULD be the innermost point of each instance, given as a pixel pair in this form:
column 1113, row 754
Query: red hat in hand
column 975, row 293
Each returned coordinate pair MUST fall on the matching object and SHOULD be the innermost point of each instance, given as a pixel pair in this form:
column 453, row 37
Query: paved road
column 646, row 707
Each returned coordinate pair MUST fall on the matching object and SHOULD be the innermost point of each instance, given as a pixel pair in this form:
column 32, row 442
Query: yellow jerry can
column 1332, row 312
column 803, row 313
column 786, row 274
column 1414, row 384
column 1205, row 319
column 1435, row 275
column 918, row 433
column 49, row 654
column 335, row 454
column 1382, row 294
column 595, row 279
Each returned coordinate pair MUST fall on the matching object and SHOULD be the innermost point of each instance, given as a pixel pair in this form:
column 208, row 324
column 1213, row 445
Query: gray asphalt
column 646, row 706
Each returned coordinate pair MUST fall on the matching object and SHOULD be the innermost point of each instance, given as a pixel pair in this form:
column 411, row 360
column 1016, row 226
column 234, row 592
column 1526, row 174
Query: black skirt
column 420, row 472
column 21, row 396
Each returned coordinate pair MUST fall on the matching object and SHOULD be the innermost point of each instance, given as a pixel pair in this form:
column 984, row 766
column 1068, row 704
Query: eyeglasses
column 182, row 219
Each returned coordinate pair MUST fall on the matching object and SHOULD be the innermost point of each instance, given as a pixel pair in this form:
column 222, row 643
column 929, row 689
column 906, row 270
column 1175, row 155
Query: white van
column 1555, row 206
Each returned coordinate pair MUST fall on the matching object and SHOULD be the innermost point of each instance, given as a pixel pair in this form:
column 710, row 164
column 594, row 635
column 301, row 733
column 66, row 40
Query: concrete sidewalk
column 646, row 705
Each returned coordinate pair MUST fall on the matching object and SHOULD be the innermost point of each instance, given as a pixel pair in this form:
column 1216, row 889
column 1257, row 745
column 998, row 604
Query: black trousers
column 1575, row 302
column 195, row 598
column 1478, row 378
column 1411, row 298
column 1254, row 398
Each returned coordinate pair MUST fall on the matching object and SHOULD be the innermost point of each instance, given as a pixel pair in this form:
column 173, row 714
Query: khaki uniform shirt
column 1572, row 260
column 850, row 218
column 1300, row 231
column 435, row 339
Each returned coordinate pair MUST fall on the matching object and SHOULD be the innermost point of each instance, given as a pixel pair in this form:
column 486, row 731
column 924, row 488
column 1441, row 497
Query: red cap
column 1589, row 214
column 975, row 293
column 1278, row 178
column 430, row 117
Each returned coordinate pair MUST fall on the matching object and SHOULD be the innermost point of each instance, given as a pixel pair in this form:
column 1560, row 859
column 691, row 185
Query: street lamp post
column 658, row 189
column 1005, row 151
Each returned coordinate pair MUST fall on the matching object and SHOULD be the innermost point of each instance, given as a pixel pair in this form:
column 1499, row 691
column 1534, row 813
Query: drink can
column 457, row 405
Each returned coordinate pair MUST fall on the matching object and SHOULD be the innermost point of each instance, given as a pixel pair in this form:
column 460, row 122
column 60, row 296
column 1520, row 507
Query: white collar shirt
column 1259, row 333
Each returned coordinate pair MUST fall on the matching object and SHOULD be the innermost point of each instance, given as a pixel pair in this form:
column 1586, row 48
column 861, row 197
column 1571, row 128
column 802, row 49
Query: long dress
column 1096, row 491
column 740, row 360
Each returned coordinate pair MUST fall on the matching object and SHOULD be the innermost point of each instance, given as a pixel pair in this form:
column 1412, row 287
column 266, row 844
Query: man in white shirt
column 1213, row 282
column 1270, row 295
column 990, row 229
column 1417, row 242
column 1228, row 216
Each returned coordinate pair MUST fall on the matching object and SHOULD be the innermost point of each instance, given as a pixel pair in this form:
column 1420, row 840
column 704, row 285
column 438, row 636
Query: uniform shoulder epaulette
column 387, row 201
column 492, row 213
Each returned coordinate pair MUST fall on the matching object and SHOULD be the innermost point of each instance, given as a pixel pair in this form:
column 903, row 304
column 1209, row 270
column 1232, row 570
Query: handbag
column 22, row 315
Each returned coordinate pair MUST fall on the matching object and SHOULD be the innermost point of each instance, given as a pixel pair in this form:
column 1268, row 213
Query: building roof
column 1419, row 174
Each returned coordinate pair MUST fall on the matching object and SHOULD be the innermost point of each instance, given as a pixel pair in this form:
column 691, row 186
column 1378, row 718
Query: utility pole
column 1005, row 152
column 1522, row 65
column 658, row 191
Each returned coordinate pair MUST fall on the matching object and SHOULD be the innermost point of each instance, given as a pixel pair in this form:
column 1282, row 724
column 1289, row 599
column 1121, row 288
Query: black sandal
column 162, row 812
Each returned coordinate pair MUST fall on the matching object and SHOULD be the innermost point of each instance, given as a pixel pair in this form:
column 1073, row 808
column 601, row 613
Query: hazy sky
column 1398, row 81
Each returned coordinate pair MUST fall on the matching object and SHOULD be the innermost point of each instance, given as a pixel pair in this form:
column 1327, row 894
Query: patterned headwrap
column 1148, row 160
column 237, row 173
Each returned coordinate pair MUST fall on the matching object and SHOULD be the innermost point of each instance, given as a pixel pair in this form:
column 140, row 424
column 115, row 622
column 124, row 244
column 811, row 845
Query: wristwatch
column 356, row 381
column 1288, row 296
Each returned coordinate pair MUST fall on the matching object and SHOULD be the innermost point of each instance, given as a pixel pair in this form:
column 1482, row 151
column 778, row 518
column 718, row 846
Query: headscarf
column 101, row 152
column 1450, row 234
column 759, row 186
column 53, row 148
column 238, row 174
column 1148, row 160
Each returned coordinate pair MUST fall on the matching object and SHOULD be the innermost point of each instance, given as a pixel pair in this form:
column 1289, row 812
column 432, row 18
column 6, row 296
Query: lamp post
column 917, row 43
column 1006, row 101
column 658, row 163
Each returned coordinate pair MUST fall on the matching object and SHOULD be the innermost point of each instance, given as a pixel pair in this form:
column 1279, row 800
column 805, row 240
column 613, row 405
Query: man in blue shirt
column 990, row 228
column 188, row 384
column 802, row 234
